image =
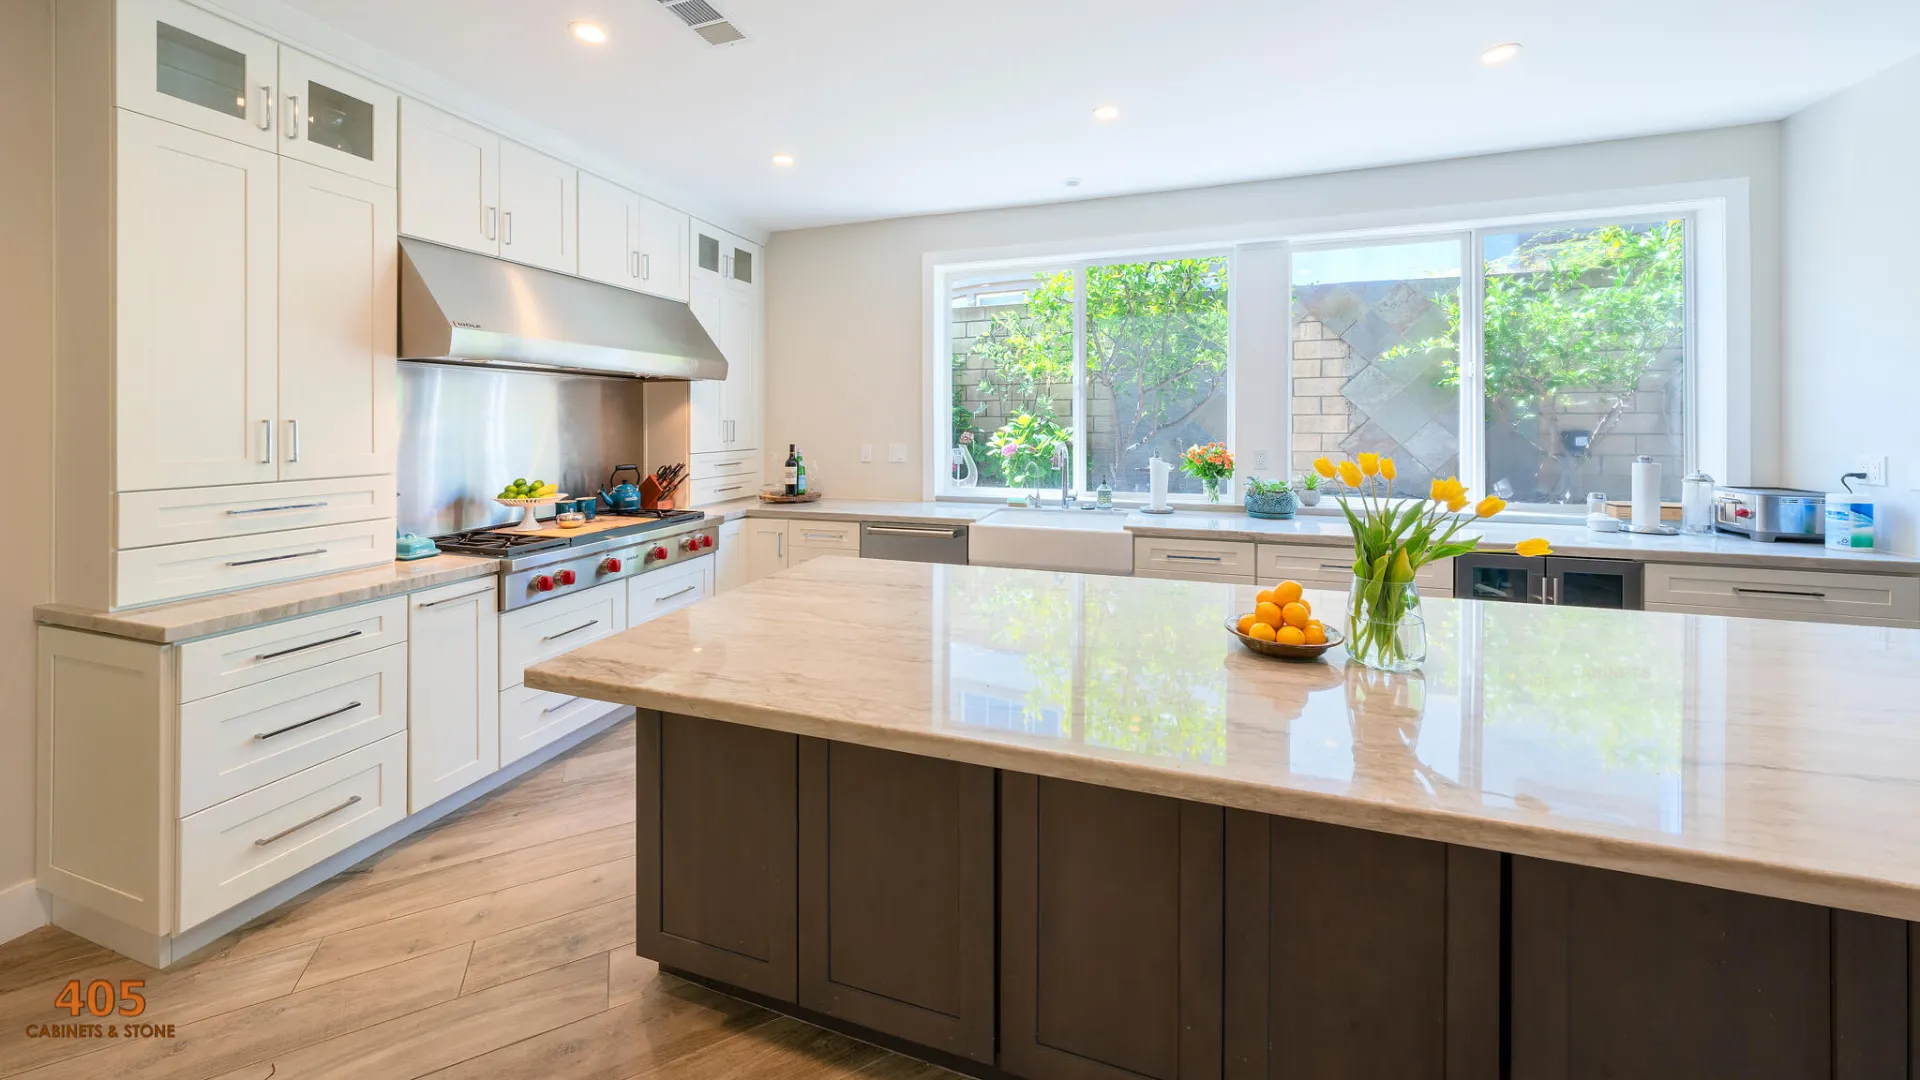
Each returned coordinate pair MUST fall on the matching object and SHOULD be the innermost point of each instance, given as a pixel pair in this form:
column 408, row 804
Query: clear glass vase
column 1211, row 485
column 1384, row 627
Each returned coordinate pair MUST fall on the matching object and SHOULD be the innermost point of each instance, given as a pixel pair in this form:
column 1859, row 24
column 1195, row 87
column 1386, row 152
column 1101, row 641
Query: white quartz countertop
column 1774, row 758
column 919, row 513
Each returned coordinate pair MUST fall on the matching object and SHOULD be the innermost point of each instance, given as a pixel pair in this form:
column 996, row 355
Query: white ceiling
column 899, row 107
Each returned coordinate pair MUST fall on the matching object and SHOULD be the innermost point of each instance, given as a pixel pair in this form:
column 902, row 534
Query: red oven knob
column 704, row 541
column 564, row 577
column 543, row 583
column 610, row 566
column 1742, row 512
column 657, row 553
column 686, row 543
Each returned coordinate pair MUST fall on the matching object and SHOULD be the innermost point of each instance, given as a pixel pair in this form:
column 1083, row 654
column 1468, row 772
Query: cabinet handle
column 321, row 816
column 293, row 441
column 1550, row 590
column 309, row 645
column 727, row 464
column 323, row 716
column 276, row 509
column 451, row 599
column 279, row 558
column 646, row 267
column 836, row 537
column 735, row 487
column 1192, row 558
column 779, row 545
column 1348, row 567
column 266, row 442
column 671, row 595
column 493, row 216
column 575, row 630
column 558, row 705
column 506, row 227
column 291, row 121
column 266, row 107
column 1743, row 590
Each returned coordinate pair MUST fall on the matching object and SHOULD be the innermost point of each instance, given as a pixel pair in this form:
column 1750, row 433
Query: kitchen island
column 1045, row 825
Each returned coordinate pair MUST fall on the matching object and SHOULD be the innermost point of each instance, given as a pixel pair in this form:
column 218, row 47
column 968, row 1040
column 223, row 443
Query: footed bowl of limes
column 531, row 494
column 1282, row 624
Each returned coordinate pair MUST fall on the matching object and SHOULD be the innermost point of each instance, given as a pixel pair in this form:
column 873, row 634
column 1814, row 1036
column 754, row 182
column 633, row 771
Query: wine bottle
column 800, row 473
column 792, row 470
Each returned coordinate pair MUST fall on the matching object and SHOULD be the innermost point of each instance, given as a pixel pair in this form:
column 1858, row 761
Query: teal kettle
column 624, row 498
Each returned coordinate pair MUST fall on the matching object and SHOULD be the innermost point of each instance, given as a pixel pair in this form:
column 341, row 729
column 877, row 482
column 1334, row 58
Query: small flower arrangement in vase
column 1309, row 491
column 1390, row 545
column 1211, row 463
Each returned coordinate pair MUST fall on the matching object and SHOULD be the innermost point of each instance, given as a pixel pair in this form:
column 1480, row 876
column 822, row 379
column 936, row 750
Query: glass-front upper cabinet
column 336, row 119
column 178, row 63
column 706, row 252
column 740, row 266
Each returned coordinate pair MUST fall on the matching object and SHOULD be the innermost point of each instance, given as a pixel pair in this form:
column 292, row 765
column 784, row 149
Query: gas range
column 537, row 566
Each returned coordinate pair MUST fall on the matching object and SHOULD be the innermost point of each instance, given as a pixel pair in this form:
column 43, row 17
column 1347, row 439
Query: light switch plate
column 897, row 453
column 866, row 453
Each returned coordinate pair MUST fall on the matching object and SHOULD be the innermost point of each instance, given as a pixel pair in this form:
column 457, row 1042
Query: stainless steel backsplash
column 466, row 432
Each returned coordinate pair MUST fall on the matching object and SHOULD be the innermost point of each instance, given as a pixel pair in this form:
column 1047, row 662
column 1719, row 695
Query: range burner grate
column 496, row 542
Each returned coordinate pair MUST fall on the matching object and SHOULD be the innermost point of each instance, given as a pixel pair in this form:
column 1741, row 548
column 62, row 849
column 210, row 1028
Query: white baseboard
column 22, row 908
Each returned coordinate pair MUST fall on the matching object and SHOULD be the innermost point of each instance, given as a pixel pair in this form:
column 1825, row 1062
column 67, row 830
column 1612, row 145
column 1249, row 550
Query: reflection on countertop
column 1777, row 758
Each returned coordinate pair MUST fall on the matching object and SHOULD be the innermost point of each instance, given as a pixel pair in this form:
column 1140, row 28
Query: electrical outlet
column 897, row 453
column 866, row 453
column 1875, row 468
column 1262, row 458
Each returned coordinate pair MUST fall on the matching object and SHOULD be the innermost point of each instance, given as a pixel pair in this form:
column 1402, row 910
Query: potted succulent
column 1270, row 499
column 1309, row 490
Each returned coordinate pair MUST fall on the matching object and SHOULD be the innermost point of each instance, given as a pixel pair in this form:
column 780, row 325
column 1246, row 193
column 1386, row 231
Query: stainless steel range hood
column 460, row 307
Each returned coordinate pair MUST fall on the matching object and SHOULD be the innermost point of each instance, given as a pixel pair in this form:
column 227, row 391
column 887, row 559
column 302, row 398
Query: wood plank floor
column 496, row 945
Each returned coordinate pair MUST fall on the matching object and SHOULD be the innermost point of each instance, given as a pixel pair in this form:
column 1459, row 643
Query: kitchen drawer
column 151, row 518
column 825, row 537
column 531, row 634
column 175, row 571
column 650, row 596
column 215, row 665
column 1205, row 559
column 1188, row 575
column 725, row 463
column 1817, row 596
column 248, row 844
column 719, row 489
column 1325, row 567
column 530, row 719
column 234, row 742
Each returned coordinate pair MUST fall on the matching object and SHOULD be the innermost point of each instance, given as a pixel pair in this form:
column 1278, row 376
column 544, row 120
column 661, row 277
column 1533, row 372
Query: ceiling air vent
column 704, row 20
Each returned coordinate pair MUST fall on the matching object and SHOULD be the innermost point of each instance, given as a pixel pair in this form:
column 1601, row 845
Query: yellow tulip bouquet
column 1390, row 545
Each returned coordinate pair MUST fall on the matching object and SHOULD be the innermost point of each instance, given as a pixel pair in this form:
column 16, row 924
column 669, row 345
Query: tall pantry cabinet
column 225, row 307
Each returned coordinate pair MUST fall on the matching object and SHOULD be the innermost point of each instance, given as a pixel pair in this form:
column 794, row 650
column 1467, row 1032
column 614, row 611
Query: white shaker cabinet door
column 449, row 179
column 178, row 63
column 538, row 209
column 453, row 643
column 609, row 233
column 195, row 367
column 339, row 282
column 741, row 317
column 766, row 543
column 707, row 421
column 336, row 119
column 663, row 250
column 730, row 558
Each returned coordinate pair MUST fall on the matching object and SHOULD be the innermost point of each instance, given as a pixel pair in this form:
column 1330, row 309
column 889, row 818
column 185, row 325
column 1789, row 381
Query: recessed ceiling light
column 1073, row 181
column 1107, row 112
column 591, row 33
column 785, row 161
column 1500, row 54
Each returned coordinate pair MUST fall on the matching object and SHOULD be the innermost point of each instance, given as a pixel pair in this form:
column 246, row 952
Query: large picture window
column 1079, row 374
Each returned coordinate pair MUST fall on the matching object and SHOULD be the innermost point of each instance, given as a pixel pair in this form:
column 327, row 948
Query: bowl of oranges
column 1282, row 624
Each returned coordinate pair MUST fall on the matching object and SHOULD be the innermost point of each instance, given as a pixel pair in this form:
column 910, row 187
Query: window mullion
column 1472, row 346
column 1076, row 475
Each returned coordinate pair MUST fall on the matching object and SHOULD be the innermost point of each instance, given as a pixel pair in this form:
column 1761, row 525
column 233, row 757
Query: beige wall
column 26, row 395
column 846, row 304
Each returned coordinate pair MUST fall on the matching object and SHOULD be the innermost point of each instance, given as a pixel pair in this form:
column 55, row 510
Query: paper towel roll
column 1646, row 492
column 1158, row 471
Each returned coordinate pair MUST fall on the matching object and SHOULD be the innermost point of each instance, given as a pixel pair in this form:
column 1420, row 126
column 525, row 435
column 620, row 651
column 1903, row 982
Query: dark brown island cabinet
column 1008, row 925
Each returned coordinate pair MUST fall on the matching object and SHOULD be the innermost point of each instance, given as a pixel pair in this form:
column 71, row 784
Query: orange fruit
column 1286, row 592
column 1265, row 597
column 1261, row 632
column 1290, row 635
column 1295, row 614
column 1246, row 623
column 1315, row 634
column 1268, row 612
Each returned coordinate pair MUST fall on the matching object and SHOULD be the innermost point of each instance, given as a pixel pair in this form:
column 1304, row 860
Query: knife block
column 653, row 497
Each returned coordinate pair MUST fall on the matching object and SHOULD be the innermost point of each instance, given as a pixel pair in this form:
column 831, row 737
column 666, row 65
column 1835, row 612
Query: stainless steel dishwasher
column 906, row 542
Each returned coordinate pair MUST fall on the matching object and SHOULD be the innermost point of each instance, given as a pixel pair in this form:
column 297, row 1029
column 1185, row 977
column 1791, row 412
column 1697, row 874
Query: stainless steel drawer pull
column 279, row 558
column 911, row 530
column 735, row 487
column 1743, row 590
column 833, row 536
column 277, row 509
column 451, row 599
column 1194, row 558
column 321, row 816
column 671, row 595
column 558, row 705
column 308, row 645
column 575, row 630
column 1348, row 567
column 727, row 464
column 323, row 716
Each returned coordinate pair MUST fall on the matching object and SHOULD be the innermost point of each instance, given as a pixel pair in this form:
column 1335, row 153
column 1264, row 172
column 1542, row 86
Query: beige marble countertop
column 1773, row 758
column 918, row 513
column 165, row 623
column 1718, row 549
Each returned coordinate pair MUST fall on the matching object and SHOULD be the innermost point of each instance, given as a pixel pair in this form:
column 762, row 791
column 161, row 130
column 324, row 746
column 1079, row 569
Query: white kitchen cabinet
column 650, row 596
column 195, row 366
column 725, row 294
column 1322, row 567
column 453, row 644
column 1806, row 595
column 338, row 284
column 631, row 241
column 1199, row 560
column 449, row 179
column 730, row 558
column 766, row 542
column 336, row 119
column 538, row 209
column 808, row 540
column 550, row 628
column 178, row 63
